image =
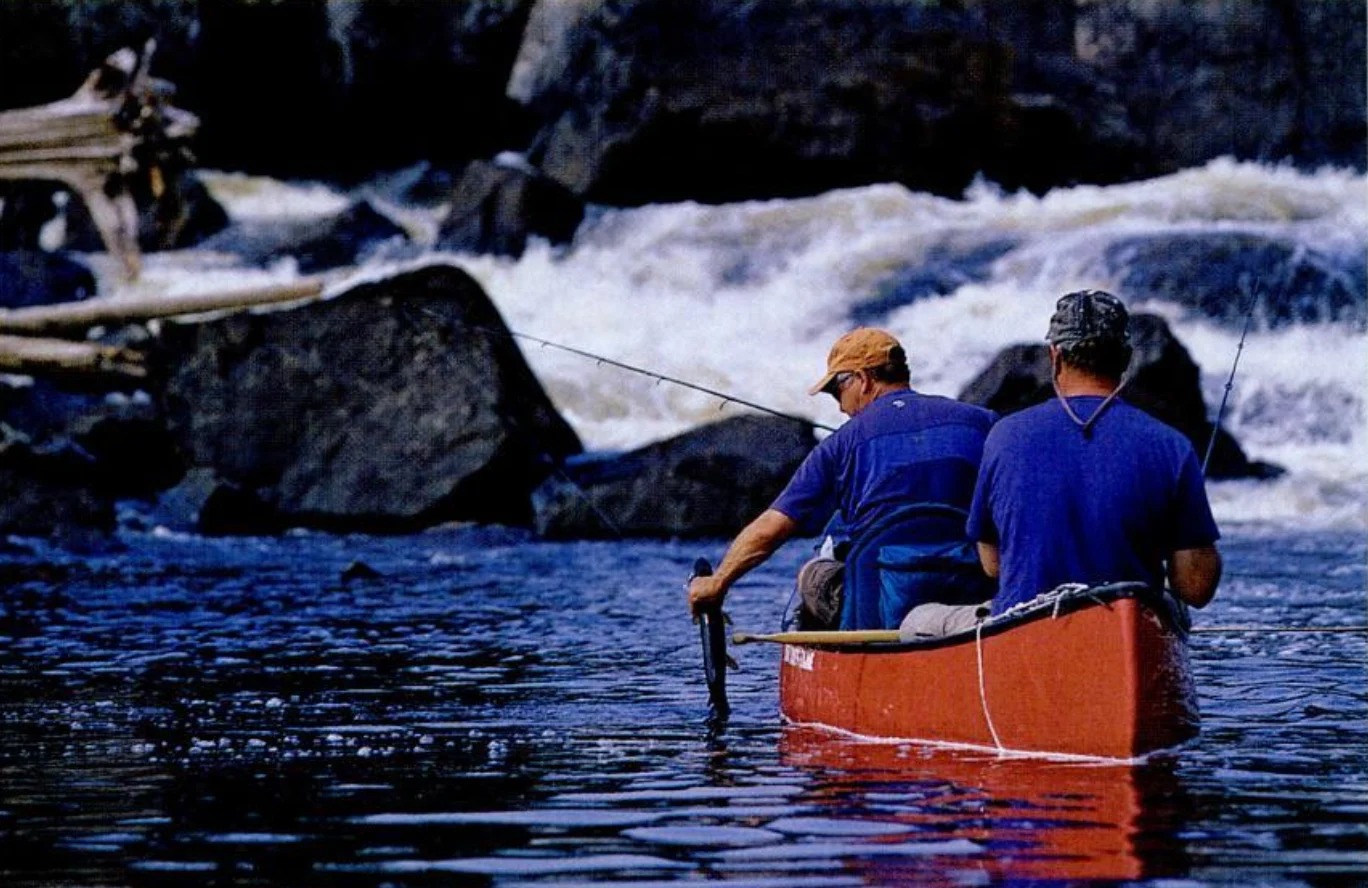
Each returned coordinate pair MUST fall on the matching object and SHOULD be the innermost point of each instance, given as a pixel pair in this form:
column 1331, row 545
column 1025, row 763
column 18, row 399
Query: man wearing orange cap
column 902, row 471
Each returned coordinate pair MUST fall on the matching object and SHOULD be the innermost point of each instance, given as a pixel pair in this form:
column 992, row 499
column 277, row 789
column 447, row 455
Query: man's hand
column 705, row 591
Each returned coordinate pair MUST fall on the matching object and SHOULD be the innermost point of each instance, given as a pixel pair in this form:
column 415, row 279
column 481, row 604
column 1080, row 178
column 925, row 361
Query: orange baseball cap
column 861, row 349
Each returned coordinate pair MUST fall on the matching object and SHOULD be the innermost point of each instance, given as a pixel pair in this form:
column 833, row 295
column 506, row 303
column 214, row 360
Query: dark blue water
column 494, row 710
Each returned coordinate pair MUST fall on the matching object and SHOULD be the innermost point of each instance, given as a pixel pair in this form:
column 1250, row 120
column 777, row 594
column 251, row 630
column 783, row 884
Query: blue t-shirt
column 1063, row 508
column 903, row 448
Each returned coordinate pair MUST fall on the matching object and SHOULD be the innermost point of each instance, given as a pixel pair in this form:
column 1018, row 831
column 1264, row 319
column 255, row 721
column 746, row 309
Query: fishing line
column 1278, row 629
column 1230, row 381
column 546, row 458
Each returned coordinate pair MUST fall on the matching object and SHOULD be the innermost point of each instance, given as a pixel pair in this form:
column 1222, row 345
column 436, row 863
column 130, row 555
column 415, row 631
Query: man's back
column 1068, row 507
column 906, row 448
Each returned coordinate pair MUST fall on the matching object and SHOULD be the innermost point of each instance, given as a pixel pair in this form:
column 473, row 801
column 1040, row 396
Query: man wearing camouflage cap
column 899, row 449
column 1086, row 488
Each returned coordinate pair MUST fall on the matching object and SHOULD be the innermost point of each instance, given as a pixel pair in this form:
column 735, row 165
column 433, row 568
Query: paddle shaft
column 856, row 636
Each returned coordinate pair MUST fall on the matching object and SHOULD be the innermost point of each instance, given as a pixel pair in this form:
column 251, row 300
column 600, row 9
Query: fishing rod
column 1230, row 381
column 724, row 397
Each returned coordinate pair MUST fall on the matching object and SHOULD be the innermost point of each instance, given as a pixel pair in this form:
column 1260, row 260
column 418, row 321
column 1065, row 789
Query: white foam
column 746, row 298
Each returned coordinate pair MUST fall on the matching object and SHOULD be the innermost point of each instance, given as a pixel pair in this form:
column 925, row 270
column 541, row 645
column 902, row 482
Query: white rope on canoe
column 983, row 691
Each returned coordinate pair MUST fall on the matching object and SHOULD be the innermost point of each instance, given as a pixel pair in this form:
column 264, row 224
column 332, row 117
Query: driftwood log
column 119, row 125
column 67, row 318
column 31, row 356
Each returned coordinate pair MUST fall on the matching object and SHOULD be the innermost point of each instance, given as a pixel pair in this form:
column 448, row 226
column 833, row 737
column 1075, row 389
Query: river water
column 491, row 709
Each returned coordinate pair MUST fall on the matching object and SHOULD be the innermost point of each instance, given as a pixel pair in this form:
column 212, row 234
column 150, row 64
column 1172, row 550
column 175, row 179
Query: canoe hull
column 1109, row 680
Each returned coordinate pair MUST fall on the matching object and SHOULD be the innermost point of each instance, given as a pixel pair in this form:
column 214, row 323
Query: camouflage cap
column 1089, row 315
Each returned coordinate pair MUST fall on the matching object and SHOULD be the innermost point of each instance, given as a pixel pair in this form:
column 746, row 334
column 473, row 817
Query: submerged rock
column 708, row 482
column 1165, row 383
column 397, row 405
column 33, row 277
column 316, row 244
column 495, row 208
column 1216, row 274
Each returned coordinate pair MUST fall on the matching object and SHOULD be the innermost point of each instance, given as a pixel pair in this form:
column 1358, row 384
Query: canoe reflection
column 1033, row 818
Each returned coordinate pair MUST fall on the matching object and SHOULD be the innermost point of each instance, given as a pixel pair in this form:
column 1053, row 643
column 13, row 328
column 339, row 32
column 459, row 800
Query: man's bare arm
column 1194, row 574
column 988, row 557
column 752, row 546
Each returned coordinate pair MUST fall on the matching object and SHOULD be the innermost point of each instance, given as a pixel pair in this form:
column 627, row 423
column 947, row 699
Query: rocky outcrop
column 635, row 101
column 708, row 482
column 397, row 405
column 1264, row 79
column 495, row 208
column 774, row 98
column 1164, row 382
column 1222, row 275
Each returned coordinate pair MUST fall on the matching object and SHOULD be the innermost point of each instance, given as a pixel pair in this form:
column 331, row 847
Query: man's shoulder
column 952, row 410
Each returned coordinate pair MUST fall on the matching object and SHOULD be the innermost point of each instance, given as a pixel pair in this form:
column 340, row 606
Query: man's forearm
column 755, row 543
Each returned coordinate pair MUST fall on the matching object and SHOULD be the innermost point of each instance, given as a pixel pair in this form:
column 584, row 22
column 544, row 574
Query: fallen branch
column 119, row 124
column 46, row 357
column 66, row 317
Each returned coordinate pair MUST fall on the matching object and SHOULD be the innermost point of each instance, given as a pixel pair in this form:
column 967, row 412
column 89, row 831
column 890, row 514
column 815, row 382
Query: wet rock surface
column 496, row 208
column 33, row 277
column 704, row 483
column 315, row 244
column 1224, row 276
column 1164, row 382
column 394, row 406
column 762, row 99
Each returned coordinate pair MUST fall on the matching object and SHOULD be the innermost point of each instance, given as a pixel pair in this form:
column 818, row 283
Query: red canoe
column 1099, row 673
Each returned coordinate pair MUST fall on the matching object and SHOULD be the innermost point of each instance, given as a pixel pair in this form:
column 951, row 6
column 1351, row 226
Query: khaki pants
column 821, row 586
column 934, row 620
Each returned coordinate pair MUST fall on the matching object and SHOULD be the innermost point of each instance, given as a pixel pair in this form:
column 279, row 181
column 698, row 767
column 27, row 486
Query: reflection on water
column 497, row 710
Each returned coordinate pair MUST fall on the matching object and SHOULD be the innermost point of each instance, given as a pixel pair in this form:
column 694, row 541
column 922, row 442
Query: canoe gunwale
column 1045, row 606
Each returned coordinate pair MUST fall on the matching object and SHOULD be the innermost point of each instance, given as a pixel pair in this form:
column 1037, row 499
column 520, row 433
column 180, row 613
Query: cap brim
column 822, row 386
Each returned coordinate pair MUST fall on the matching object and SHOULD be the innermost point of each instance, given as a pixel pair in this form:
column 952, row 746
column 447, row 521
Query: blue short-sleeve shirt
column 1064, row 508
column 903, row 448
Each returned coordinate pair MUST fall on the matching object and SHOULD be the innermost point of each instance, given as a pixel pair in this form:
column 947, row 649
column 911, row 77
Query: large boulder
column 1224, row 275
column 1164, row 382
column 708, row 482
column 496, row 207
column 397, row 405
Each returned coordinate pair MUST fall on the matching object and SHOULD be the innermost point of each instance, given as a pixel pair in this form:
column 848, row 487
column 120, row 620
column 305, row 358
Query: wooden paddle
column 853, row 636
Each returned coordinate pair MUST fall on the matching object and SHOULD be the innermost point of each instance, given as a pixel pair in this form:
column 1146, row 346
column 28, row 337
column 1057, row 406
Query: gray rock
column 397, row 405
column 1165, row 382
column 708, row 482
column 357, row 233
column 49, row 492
column 121, row 437
column 1261, row 79
column 1217, row 274
column 495, row 208
column 33, row 277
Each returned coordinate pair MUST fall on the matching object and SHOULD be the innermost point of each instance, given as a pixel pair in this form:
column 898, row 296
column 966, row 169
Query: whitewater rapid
column 746, row 298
